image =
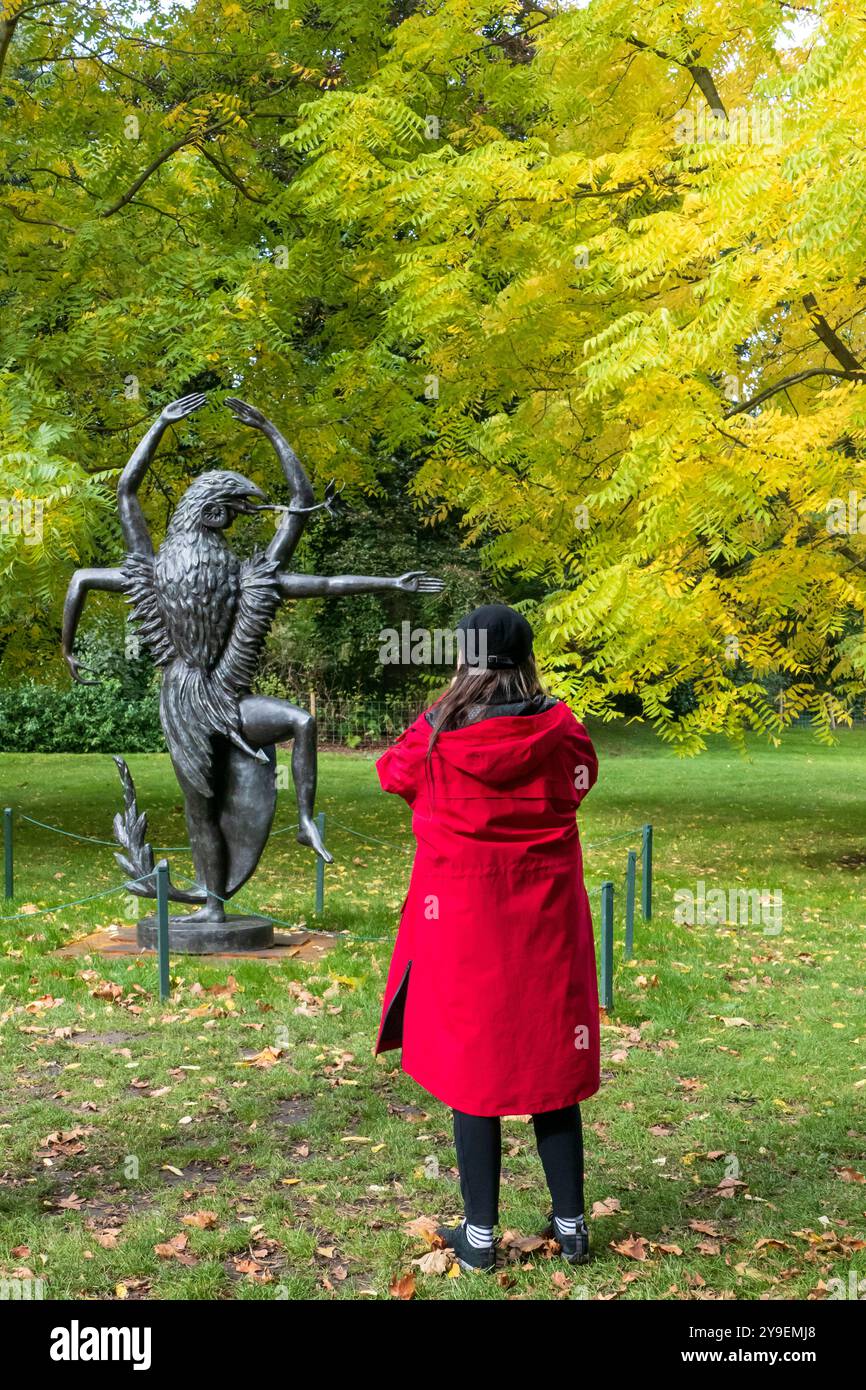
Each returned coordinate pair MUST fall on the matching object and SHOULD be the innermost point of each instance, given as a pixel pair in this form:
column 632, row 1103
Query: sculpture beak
column 248, row 508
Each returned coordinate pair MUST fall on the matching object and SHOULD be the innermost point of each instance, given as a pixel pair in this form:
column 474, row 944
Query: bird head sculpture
column 215, row 499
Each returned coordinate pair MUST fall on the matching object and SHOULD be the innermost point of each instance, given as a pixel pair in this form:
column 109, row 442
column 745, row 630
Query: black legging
column 478, row 1141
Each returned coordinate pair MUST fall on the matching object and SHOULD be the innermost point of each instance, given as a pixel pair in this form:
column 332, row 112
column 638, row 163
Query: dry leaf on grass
column 434, row 1262
column 175, row 1249
column 268, row 1057
column 633, row 1247
column 403, row 1287
column 204, row 1220
column 424, row 1229
column 607, row 1207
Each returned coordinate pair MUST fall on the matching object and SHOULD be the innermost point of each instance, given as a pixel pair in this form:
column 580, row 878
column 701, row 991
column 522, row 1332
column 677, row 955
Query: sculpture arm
column 332, row 586
column 133, row 524
column 82, row 581
column 291, row 527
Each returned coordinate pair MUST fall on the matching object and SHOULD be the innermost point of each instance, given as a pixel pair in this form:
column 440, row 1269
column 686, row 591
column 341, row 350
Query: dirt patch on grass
column 196, row 1173
column 108, row 1211
column 109, row 1039
column 294, row 1110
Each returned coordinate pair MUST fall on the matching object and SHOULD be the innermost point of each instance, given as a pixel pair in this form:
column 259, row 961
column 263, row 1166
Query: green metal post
column 7, row 852
column 630, row 884
column 646, row 877
column 320, row 869
column 162, row 927
column 607, row 945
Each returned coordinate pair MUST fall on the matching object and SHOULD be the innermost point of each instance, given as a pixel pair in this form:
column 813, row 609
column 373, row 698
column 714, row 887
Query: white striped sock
column 567, row 1226
column 479, row 1236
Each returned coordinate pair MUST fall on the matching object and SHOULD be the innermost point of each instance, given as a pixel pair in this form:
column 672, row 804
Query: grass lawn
column 724, row 1151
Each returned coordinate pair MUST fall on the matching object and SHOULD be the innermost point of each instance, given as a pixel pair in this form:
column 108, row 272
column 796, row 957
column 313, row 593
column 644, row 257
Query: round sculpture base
column 209, row 938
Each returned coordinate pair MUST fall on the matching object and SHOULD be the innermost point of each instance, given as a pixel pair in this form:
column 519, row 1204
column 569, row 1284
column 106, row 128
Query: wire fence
column 350, row 722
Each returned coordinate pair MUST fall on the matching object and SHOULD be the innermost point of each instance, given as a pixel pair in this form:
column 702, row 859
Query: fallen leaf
column 607, row 1207
column 268, row 1057
column 634, row 1247
column 849, row 1175
column 403, row 1287
column 204, row 1220
column 175, row 1249
column 424, row 1228
column 706, row 1228
column 434, row 1262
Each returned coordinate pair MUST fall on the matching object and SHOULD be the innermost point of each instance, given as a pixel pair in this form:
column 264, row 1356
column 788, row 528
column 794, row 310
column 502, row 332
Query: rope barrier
column 112, row 844
column 605, row 889
column 292, row 926
column 606, row 839
column 373, row 839
column 76, row 902
column 285, row 830
column 85, row 839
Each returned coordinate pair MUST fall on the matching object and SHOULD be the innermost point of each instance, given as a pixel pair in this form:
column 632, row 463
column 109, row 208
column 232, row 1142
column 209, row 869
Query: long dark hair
column 475, row 685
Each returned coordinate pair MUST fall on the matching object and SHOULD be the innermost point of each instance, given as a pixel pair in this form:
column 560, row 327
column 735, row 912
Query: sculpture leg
column 208, row 852
column 264, row 721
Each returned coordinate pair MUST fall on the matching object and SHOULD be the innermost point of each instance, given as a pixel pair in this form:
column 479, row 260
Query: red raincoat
column 492, row 989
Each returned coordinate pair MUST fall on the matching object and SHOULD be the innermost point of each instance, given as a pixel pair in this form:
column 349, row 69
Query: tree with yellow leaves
column 597, row 270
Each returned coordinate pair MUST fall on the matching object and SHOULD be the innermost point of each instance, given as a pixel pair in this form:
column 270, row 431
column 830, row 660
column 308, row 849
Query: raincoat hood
column 528, row 755
column 506, row 751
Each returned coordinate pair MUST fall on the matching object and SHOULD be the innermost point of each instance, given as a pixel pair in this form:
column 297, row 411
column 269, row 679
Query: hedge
column 82, row 719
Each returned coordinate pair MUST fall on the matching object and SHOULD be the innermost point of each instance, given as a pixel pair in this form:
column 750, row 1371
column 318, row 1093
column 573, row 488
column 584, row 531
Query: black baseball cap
column 494, row 636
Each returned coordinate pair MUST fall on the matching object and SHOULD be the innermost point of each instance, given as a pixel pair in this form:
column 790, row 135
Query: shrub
column 82, row 719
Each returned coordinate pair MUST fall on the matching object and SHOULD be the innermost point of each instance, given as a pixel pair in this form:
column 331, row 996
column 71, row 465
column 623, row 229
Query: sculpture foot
column 211, row 912
column 308, row 834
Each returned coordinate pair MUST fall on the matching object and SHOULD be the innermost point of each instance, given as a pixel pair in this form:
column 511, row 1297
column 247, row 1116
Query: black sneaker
column 469, row 1257
column 574, row 1248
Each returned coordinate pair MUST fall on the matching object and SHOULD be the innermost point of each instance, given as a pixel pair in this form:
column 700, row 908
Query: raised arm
column 82, row 581
column 291, row 527
column 323, row 586
column 133, row 524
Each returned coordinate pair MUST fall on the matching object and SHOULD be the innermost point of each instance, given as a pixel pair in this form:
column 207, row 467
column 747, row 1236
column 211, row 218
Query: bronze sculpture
column 205, row 613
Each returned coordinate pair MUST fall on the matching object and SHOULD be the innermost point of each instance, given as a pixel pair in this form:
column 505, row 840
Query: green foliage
column 50, row 510
column 617, row 342
column 333, row 646
column 94, row 719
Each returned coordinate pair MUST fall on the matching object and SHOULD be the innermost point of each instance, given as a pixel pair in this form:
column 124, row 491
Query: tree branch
column 229, row 174
column 191, row 137
column 839, row 372
column 10, row 24
column 701, row 76
column 832, row 342
column 186, row 139
column 35, row 221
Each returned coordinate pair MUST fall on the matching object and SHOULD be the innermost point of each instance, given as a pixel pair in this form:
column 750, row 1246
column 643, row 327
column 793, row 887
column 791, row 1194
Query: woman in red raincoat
column 492, row 990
